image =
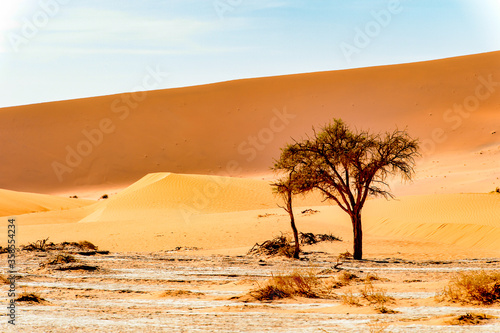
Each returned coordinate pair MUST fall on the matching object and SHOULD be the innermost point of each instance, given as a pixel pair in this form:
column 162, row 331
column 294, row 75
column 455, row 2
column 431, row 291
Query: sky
column 65, row 49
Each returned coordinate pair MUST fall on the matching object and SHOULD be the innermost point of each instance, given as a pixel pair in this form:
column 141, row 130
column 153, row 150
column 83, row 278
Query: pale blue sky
column 64, row 49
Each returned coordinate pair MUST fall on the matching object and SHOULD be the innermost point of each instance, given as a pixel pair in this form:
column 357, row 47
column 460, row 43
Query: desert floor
column 187, row 290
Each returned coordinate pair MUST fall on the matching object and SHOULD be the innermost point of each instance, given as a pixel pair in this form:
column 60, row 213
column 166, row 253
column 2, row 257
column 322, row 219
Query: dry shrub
column 371, row 296
column 473, row 288
column 310, row 211
column 385, row 310
column 309, row 238
column 279, row 245
column 349, row 299
column 295, row 284
column 345, row 255
column 59, row 259
column 30, row 298
column 43, row 245
column 39, row 245
column 87, row 245
column 374, row 295
column 469, row 319
column 371, row 277
column 345, row 278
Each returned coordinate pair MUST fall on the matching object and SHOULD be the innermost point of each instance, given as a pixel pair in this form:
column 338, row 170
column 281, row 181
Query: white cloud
column 96, row 29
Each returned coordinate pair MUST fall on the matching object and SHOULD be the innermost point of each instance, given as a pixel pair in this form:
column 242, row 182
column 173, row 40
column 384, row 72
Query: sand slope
column 164, row 211
column 164, row 195
column 236, row 128
column 18, row 203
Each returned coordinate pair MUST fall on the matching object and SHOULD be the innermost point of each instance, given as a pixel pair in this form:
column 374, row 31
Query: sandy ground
column 189, row 291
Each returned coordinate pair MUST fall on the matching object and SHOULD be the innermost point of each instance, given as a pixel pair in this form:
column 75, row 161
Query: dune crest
column 236, row 128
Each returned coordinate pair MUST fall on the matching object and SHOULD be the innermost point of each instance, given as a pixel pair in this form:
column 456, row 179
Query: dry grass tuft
column 375, row 295
column 473, row 288
column 345, row 278
column 385, row 310
column 470, row 319
column 345, row 255
column 349, row 299
column 295, row 284
column 30, row 298
column 369, row 295
column 372, row 277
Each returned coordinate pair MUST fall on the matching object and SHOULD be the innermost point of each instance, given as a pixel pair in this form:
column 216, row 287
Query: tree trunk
column 294, row 228
column 358, row 236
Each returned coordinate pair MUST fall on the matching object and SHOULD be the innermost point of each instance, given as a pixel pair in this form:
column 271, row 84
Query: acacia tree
column 349, row 166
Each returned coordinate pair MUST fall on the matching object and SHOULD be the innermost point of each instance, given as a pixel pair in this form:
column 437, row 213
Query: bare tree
column 349, row 166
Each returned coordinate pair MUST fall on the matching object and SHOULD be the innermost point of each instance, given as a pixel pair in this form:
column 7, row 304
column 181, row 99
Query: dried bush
column 86, row 245
column 39, row 245
column 371, row 277
column 30, row 298
column 59, row 260
column 279, row 245
column 469, row 319
column 371, row 296
column 294, row 284
column 345, row 255
column 349, row 299
column 385, row 310
column 309, row 238
column 346, row 277
column 374, row 295
column 473, row 288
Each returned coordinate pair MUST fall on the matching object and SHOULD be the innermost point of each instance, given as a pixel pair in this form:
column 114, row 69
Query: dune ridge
column 236, row 128
column 18, row 203
column 161, row 211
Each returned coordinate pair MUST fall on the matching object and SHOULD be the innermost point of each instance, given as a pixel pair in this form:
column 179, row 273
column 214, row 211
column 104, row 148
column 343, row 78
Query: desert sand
column 187, row 175
column 236, row 128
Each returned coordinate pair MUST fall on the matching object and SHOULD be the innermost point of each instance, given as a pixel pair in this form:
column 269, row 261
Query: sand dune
column 164, row 211
column 18, row 203
column 165, row 195
column 236, row 128
column 181, row 138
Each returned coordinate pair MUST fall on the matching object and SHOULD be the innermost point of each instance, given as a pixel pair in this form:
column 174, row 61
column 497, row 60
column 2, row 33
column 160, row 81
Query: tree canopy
column 347, row 166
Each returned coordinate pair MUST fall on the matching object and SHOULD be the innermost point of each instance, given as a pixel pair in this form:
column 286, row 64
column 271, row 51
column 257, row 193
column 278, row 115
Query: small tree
column 290, row 184
column 348, row 166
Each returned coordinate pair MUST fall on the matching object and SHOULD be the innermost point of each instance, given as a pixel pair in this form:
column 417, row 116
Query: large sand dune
column 182, row 138
column 236, row 128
